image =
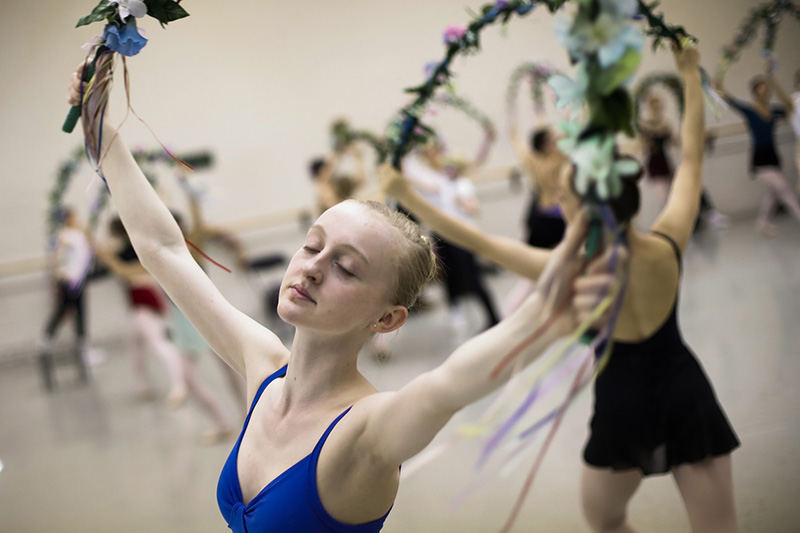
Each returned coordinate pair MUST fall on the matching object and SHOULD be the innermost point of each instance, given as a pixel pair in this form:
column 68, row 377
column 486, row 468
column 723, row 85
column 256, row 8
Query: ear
column 392, row 319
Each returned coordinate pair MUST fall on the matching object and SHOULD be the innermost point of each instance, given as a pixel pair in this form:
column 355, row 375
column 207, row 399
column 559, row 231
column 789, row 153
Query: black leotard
column 654, row 406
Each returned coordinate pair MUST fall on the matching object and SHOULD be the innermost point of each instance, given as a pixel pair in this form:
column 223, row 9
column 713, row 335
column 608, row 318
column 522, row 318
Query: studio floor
column 96, row 458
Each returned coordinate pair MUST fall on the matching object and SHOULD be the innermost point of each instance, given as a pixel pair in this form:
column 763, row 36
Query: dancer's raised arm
column 678, row 217
column 400, row 424
column 510, row 254
column 786, row 100
column 251, row 349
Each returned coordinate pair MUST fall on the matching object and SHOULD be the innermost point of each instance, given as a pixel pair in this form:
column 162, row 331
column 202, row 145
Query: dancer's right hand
column 393, row 182
column 687, row 58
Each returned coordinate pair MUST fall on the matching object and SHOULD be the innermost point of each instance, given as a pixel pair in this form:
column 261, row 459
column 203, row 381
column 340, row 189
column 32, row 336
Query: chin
column 289, row 312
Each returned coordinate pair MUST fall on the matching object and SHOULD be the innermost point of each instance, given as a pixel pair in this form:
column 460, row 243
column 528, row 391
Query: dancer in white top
column 69, row 265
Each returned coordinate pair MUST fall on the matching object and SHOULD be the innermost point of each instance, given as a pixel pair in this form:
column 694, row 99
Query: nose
column 313, row 269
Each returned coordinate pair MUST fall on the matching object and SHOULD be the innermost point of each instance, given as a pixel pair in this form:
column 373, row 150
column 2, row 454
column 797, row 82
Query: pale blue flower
column 570, row 92
column 593, row 158
column 571, row 131
column 126, row 40
column 609, row 36
column 137, row 8
column 620, row 8
column 627, row 36
column 595, row 166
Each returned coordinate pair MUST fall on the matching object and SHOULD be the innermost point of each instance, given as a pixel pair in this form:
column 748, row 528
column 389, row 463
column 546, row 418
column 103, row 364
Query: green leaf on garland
column 613, row 112
column 100, row 12
column 609, row 79
column 165, row 10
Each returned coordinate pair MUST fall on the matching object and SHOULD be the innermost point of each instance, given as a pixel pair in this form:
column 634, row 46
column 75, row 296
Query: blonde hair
column 458, row 163
column 418, row 265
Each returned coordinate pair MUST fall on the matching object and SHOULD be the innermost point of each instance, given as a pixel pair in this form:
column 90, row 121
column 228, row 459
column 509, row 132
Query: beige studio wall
column 257, row 82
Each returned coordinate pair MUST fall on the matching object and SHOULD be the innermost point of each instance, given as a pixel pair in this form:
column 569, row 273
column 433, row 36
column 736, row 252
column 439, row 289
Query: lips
column 300, row 291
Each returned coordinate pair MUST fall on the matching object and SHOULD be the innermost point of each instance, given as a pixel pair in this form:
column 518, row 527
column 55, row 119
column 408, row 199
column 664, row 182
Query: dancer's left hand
column 570, row 284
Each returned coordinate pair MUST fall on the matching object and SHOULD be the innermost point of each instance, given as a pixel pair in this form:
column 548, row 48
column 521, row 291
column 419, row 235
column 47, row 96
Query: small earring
column 374, row 324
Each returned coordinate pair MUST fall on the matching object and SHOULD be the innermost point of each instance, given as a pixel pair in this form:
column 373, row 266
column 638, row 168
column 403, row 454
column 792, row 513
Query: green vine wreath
column 465, row 106
column 343, row 134
column 537, row 74
column 768, row 14
column 668, row 80
column 146, row 159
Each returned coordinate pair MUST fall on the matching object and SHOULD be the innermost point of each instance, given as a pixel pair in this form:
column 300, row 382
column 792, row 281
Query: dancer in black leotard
column 655, row 411
column 541, row 161
column 442, row 179
column 656, row 136
column 677, row 419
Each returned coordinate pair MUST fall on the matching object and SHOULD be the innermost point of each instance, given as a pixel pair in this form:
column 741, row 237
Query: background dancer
column 149, row 308
column 655, row 411
column 69, row 264
column 441, row 179
column 761, row 117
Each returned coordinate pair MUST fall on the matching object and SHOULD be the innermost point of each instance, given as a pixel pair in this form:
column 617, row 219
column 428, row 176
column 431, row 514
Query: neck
column 321, row 369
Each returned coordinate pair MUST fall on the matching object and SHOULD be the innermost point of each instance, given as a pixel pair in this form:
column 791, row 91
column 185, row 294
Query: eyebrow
column 345, row 246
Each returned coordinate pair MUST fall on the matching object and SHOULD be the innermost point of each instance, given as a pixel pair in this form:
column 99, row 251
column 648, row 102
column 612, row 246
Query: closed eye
column 310, row 250
column 344, row 270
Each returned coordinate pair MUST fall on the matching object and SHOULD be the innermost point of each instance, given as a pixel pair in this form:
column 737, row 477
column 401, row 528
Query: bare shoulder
column 355, row 485
column 653, row 286
column 368, row 401
column 657, row 253
column 654, row 272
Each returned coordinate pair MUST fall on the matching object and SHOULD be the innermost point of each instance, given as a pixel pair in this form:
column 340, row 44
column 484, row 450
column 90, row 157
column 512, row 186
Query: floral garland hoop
column 145, row 159
column 459, row 103
column 770, row 15
column 55, row 198
column 537, row 74
column 609, row 103
column 343, row 134
column 668, row 80
column 407, row 128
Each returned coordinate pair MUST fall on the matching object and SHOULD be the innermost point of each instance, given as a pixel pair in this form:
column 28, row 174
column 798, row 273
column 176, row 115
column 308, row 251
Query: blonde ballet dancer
column 321, row 448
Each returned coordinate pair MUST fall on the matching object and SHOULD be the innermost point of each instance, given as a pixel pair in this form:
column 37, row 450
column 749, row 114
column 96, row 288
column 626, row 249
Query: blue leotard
column 290, row 502
column 762, row 133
